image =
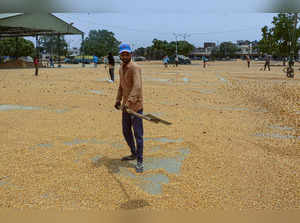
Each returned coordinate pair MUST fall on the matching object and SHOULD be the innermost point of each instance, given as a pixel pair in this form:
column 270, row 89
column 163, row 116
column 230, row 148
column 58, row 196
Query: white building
column 245, row 49
column 75, row 51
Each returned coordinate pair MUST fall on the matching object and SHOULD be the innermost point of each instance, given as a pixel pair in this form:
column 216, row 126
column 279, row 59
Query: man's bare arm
column 120, row 91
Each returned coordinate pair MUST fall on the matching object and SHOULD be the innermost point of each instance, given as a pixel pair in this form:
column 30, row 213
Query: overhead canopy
column 32, row 24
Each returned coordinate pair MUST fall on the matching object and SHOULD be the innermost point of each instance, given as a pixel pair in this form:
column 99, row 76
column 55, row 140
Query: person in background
column 176, row 60
column 111, row 66
column 166, row 61
column 95, row 60
column 248, row 60
column 267, row 62
column 105, row 61
column 51, row 62
column 36, row 65
column 204, row 59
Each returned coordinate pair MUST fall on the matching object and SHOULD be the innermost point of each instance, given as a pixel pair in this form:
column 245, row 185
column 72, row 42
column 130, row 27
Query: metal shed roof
column 32, row 24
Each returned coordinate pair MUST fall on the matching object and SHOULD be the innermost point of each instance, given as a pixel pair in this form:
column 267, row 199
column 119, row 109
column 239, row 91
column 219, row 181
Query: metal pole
column 176, row 47
column 82, row 50
column 133, row 51
column 16, row 52
column 59, row 64
column 37, row 45
column 176, row 36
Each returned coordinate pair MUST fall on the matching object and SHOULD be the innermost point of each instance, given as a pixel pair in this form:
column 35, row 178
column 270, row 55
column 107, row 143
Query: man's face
column 125, row 57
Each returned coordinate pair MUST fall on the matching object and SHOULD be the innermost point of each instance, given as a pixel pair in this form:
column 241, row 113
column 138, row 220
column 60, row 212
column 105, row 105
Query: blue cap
column 125, row 48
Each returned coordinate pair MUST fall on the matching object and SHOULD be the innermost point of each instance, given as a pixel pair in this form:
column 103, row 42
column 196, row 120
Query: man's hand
column 118, row 105
column 128, row 104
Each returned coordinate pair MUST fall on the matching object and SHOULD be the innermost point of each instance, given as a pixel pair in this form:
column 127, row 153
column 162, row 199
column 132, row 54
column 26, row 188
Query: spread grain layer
column 234, row 142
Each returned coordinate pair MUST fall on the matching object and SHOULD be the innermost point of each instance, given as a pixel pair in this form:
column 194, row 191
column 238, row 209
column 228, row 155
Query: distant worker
column 95, row 60
column 36, row 65
column 267, row 62
column 204, row 59
column 166, row 61
column 248, row 60
column 105, row 61
column 51, row 62
column 176, row 60
column 111, row 65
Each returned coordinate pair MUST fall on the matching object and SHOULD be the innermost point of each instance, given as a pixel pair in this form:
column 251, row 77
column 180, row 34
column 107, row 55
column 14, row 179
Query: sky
column 139, row 30
column 138, row 22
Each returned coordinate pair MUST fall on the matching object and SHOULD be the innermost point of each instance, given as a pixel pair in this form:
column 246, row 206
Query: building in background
column 74, row 51
column 197, row 53
column 209, row 45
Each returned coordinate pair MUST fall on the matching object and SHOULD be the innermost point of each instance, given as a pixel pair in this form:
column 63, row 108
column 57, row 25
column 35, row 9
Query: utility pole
column 184, row 36
column 132, row 48
column 176, row 37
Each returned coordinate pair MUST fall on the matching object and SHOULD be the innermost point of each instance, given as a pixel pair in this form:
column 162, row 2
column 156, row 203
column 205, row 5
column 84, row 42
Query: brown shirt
column 130, row 89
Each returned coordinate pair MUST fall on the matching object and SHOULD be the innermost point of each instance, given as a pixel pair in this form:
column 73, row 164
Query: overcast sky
column 138, row 22
column 140, row 29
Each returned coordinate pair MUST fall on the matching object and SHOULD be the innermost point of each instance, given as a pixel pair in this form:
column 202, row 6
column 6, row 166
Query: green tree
column 267, row 43
column 163, row 47
column 140, row 52
column 17, row 47
column 281, row 39
column 100, row 43
column 226, row 49
column 184, row 47
column 54, row 45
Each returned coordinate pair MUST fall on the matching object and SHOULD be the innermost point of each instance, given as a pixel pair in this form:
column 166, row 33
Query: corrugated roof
column 7, row 15
column 31, row 24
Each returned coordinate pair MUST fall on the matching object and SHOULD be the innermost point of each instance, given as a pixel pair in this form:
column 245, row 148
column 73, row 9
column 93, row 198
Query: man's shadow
column 113, row 167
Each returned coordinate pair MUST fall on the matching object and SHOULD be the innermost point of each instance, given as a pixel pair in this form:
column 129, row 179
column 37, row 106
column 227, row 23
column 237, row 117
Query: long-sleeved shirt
column 130, row 88
column 111, row 60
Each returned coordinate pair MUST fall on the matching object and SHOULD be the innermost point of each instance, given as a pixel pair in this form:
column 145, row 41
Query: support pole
column 37, row 46
column 59, row 46
column 82, row 50
column 16, row 52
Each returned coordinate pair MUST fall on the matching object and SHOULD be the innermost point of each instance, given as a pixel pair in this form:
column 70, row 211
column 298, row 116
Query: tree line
column 279, row 40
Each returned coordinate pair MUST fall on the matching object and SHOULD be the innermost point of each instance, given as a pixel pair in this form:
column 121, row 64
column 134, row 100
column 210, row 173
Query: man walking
column 36, row 65
column 204, row 61
column 176, row 60
column 267, row 62
column 248, row 60
column 111, row 65
column 51, row 62
column 166, row 61
column 95, row 60
column 131, row 95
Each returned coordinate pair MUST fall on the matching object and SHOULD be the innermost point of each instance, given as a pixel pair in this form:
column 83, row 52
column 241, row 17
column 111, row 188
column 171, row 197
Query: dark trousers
column 36, row 70
column 267, row 64
column 111, row 73
column 130, row 122
column 248, row 64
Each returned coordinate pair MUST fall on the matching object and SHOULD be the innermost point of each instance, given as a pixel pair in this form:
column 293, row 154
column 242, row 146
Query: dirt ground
column 234, row 143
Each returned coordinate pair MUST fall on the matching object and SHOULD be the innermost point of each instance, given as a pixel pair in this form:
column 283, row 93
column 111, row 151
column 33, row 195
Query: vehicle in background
column 117, row 59
column 27, row 59
column 67, row 61
column 181, row 59
column 139, row 58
